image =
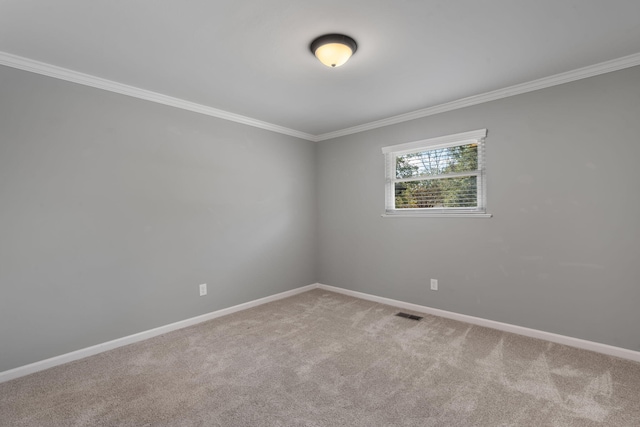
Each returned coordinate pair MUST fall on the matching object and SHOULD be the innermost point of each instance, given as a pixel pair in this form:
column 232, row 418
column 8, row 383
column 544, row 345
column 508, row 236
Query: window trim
column 393, row 151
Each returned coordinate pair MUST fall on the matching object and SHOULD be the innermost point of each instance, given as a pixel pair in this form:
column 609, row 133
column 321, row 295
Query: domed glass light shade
column 333, row 50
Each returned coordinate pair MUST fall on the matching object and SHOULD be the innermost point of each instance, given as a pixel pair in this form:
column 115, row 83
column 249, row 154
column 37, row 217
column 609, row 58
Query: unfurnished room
column 340, row 213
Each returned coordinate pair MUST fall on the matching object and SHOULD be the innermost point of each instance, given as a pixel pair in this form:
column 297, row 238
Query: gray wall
column 113, row 210
column 562, row 252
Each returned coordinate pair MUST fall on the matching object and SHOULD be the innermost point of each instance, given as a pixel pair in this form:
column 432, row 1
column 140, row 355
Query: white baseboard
column 21, row 371
column 110, row 345
column 610, row 350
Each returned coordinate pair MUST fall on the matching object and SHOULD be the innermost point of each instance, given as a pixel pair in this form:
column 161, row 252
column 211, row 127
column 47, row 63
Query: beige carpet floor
column 325, row 359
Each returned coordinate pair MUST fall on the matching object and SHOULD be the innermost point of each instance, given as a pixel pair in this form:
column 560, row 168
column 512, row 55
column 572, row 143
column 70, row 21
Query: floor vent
column 409, row 316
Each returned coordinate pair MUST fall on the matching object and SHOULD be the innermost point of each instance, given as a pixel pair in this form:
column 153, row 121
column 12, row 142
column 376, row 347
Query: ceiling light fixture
column 333, row 50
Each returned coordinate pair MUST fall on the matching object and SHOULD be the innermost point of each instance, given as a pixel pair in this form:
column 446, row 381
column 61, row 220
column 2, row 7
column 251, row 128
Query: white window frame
column 393, row 151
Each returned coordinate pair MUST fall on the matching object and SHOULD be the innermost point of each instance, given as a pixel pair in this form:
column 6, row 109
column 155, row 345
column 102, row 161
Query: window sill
column 437, row 215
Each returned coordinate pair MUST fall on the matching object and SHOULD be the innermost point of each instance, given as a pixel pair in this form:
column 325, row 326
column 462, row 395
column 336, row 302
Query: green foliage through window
column 437, row 177
column 436, row 190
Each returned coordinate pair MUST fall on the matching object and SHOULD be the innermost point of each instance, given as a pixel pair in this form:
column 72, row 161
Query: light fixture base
column 333, row 50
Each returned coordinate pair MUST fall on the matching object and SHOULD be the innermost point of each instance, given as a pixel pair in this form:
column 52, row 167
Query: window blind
column 443, row 175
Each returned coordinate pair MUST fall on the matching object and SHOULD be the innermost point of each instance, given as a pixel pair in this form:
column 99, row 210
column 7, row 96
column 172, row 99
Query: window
column 442, row 176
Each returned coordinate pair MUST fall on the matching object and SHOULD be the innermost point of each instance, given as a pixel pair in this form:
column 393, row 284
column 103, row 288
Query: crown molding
column 38, row 67
column 558, row 79
column 54, row 71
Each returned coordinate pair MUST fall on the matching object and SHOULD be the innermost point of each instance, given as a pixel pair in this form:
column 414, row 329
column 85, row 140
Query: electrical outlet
column 203, row 289
column 434, row 284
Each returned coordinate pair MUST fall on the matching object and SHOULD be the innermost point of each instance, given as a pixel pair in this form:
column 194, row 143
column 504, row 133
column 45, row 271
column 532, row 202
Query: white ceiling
column 252, row 57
